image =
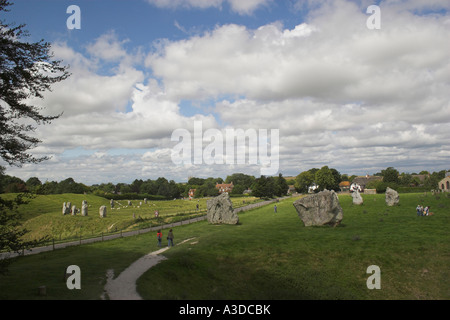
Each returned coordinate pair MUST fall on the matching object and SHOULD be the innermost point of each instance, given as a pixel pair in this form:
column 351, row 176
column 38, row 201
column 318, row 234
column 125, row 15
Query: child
column 159, row 237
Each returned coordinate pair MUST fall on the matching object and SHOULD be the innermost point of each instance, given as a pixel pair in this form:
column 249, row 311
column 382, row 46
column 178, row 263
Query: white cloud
column 342, row 95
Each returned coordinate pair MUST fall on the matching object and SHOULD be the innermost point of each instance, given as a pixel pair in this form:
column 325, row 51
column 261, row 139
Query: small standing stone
column 84, row 208
column 357, row 199
column 102, row 211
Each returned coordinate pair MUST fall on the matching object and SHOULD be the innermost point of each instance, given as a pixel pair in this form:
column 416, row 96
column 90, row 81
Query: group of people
column 159, row 236
column 421, row 211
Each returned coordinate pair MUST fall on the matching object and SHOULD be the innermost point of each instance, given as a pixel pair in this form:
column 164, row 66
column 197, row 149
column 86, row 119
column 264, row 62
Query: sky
column 337, row 91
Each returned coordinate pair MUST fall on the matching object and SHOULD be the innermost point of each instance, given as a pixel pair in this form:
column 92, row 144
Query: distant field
column 267, row 256
column 42, row 216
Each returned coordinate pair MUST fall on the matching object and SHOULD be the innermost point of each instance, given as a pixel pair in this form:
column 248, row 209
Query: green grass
column 268, row 256
column 42, row 216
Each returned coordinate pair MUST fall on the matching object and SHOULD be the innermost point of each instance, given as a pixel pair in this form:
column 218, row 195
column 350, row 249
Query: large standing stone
column 74, row 210
column 102, row 211
column 392, row 197
column 220, row 210
column 112, row 203
column 357, row 199
column 319, row 209
column 84, row 208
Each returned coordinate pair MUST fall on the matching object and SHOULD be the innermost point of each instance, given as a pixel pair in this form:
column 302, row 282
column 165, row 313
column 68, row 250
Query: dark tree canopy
column 26, row 71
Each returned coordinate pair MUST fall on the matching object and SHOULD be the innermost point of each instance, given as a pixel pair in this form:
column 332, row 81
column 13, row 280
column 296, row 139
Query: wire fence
column 54, row 244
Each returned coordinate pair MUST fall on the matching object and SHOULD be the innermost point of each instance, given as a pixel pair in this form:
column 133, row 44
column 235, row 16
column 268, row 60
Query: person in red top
column 159, row 237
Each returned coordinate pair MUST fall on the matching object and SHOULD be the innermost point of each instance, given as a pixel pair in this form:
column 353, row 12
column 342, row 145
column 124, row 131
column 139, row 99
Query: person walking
column 159, row 237
column 275, row 208
column 170, row 238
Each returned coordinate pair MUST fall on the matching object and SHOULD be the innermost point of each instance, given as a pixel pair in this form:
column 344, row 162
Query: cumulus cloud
column 341, row 94
column 330, row 80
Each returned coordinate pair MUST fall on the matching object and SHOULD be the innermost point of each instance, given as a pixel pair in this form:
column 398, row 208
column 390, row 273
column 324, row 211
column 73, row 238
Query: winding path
column 124, row 286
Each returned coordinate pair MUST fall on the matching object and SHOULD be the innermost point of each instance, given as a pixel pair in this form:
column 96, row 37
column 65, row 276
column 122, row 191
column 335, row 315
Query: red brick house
column 224, row 187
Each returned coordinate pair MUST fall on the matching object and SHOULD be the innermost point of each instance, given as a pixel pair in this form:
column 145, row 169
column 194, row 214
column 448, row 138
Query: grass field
column 267, row 256
column 42, row 216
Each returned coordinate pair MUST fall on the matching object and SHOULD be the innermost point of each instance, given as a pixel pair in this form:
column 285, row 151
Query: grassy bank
column 268, row 256
column 273, row 256
column 42, row 215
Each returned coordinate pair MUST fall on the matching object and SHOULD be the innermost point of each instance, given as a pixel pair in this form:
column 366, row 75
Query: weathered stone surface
column 66, row 208
column 84, row 208
column 112, row 203
column 357, row 199
column 220, row 210
column 319, row 209
column 392, row 197
column 102, row 211
column 74, row 210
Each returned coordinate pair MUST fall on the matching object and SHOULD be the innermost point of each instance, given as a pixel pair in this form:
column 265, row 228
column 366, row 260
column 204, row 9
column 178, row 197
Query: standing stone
column 319, row 209
column 112, row 203
column 74, row 210
column 145, row 200
column 66, row 208
column 102, row 211
column 129, row 203
column 220, row 210
column 392, row 197
column 84, row 208
column 357, row 199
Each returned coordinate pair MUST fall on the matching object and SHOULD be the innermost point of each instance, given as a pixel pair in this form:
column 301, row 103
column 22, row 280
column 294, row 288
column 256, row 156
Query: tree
column 240, row 179
column 325, row 178
column 26, row 71
column 265, row 187
column 33, row 184
column 390, row 175
column 304, row 180
column 282, row 186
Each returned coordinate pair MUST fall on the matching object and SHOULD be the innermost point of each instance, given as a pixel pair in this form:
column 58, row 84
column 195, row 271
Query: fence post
column 53, row 243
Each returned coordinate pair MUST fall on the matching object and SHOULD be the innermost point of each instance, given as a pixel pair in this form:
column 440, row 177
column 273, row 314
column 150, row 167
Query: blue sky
column 340, row 94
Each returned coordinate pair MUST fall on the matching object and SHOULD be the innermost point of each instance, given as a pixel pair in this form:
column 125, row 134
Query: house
column 361, row 182
column 344, row 186
column 224, row 187
column 312, row 188
column 444, row 184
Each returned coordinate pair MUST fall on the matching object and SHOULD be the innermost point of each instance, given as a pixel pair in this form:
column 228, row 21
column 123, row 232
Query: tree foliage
column 27, row 70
